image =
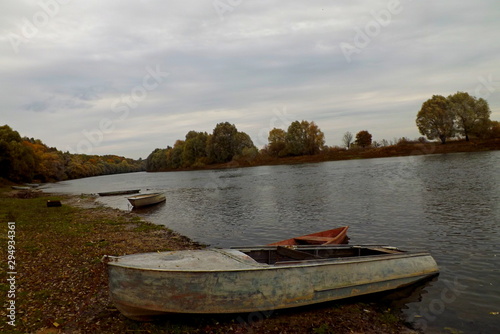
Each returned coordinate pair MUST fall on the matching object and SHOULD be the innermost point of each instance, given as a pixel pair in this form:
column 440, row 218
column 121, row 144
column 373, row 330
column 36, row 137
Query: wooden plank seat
column 295, row 254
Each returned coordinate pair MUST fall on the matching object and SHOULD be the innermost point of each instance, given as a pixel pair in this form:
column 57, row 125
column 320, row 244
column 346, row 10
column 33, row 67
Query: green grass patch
column 146, row 226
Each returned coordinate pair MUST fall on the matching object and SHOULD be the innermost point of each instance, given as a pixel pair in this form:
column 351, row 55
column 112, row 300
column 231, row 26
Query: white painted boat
column 119, row 192
column 257, row 278
column 146, row 199
column 21, row 188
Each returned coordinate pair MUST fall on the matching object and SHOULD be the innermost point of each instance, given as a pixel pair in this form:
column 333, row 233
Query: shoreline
column 62, row 284
column 338, row 154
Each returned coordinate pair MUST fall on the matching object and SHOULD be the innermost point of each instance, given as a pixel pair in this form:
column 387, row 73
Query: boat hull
column 142, row 293
column 146, row 199
column 21, row 188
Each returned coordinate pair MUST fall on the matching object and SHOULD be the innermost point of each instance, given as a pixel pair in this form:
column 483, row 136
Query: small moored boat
column 146, row 199
column 21, row 188
column 119, row 192
column 251, row 279
column 334, row 236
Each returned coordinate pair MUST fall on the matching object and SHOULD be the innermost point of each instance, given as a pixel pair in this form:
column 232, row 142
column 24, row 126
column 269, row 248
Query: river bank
column 403, row 148
column 61, row 284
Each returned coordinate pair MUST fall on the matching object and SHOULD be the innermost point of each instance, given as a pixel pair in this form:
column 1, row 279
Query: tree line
column 198, row 149
column 27, row 159
column 226, row 143
column 301, row 138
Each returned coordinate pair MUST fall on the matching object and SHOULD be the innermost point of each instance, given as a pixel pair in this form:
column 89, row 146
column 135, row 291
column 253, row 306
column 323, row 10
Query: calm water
column 447, row 204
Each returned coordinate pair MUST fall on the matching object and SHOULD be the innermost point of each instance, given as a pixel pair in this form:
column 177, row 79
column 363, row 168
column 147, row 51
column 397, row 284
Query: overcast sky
column 126, row 77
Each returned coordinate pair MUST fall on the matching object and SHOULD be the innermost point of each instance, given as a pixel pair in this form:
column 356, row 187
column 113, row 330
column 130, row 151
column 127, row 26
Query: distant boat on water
column 146, row 199
column 21, row 188
column 119, row 192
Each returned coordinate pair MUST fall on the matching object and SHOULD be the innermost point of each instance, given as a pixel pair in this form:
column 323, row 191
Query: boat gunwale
column 279, row 266
column 119, row 192
column 143, row 196
column 337, row 239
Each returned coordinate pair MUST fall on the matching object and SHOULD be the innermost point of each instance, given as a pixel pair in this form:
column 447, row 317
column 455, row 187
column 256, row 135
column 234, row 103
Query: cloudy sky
column 125, row 77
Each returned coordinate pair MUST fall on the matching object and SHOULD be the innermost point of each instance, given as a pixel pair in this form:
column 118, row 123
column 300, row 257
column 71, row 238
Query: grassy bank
column 61, row 284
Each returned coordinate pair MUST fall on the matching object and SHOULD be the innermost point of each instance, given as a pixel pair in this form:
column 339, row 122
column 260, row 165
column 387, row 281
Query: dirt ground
column 61, row 285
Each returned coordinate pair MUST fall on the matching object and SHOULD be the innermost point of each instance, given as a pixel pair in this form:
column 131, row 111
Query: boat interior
column 287, row 255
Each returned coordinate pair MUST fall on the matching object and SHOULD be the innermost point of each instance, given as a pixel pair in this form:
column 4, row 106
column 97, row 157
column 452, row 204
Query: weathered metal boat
column 119, row 192
column 334, row 236
column 146, row 199
column 257, row 278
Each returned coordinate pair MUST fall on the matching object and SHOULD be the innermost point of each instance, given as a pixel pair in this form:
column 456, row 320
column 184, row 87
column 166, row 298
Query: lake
column 448, row 204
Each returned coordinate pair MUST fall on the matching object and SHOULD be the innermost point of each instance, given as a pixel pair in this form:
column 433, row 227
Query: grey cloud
column 262, row 54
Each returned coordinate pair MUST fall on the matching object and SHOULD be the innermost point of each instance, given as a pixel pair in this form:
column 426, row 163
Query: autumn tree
column 17, row 159
column 304, row 138
column 363, row 138
column 494, row 130
column 315, row 138
column 277, row 142
column 436, row 119
column 347, row 139
column 472, row 115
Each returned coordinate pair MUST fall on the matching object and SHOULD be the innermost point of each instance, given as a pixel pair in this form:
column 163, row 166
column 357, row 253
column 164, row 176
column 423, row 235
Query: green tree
column 220, row 145
column 436, row 119
column 296, row 139
column 472, row 115
column 194, row 147
column 304, row 138
column 363, row 138
column 176, row 155
column 242, row 142
column 157, row 160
